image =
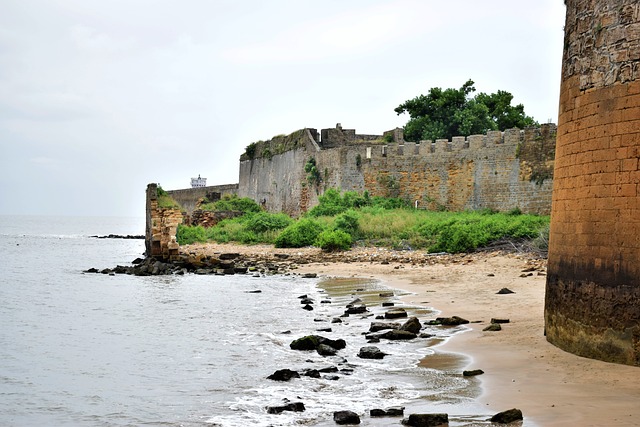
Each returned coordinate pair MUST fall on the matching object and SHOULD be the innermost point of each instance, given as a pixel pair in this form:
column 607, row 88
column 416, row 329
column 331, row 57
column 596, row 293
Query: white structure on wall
column 198, row 182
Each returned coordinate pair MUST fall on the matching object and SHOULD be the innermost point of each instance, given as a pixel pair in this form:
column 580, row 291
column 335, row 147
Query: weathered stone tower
column 592, row 303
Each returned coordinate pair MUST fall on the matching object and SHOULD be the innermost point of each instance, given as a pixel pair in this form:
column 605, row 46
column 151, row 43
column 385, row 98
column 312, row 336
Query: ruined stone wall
column 592, row 303
column 161, row 227
column 188, row 198
column 501, row 171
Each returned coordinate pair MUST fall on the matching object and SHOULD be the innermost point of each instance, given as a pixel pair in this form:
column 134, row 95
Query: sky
column 100, row 98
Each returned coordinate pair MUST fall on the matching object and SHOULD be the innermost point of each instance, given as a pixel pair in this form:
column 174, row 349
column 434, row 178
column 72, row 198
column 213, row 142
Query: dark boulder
column 371, row 352
column 310, row 275
column 411, row 325
column 338, row 344
column 494, row 327
column 306, row 301
column 449, row 321
column 388, row 304
column 308, row 307
column 396, row 334
column 325, row 350
column 426, row 420
column 396, row 411
column 336, row 320
column 310, row 342
column 507, row 417
column 356, row 309
column 395, row 313
column 505, row 291
column 385, row 294
column 283, row 375
column 380, row 326
column 494, row 320
column 313, row 373
column 293, row 407
column 472, row 373
column 346, row 417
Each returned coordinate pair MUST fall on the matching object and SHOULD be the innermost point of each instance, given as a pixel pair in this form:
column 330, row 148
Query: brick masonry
column 592, row 305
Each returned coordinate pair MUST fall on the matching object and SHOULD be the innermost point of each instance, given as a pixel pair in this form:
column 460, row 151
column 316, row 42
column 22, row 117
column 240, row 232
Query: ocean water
column 82, row 349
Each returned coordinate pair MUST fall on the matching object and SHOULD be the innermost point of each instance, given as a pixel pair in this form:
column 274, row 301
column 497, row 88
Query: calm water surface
column 96, row 350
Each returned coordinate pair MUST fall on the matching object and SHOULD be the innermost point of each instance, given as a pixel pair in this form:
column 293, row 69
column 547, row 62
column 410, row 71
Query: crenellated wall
column 500, row 170
column 592, row 305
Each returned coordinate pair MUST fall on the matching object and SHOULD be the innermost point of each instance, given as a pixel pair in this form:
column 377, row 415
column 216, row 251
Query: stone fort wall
column 500, row 170
column 593, row 285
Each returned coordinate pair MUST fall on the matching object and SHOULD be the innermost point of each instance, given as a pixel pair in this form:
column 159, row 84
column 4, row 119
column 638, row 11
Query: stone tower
column 592, row 305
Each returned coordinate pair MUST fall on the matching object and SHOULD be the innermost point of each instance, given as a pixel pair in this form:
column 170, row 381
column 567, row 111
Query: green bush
column 265, row 221
column 334, row 240
column 304, row 232
column 348, row 222
column 186, row 235
column 233, row 203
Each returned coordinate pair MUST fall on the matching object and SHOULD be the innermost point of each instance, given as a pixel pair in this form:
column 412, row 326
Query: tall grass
column 374, row 224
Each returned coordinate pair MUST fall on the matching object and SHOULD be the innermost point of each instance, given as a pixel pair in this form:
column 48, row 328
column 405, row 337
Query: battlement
column 543, row 136
column 339, row 137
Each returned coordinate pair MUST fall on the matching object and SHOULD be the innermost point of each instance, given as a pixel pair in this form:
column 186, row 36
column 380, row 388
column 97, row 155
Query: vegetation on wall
column 443, row 114
column 230, row 202
column 277, row 145
column 165, row 201
column 313, row 174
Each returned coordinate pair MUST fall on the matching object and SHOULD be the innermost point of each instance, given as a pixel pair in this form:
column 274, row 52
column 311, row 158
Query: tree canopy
column 454, row 112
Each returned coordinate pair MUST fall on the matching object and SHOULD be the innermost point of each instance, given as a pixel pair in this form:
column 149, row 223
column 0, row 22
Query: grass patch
column 341, row 220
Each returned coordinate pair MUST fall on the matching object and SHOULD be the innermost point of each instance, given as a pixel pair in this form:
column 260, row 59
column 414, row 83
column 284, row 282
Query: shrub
column 334, row 240
column 348, row 222
column 304, row 232
column 186, row 235
column 265, row 221
column 332, row 203
column 233, row 203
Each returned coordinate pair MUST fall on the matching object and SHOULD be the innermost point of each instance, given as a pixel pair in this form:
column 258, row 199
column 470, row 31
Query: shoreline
column 553, row 388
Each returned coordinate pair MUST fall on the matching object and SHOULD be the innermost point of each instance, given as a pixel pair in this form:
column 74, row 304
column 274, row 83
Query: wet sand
column 522, row 370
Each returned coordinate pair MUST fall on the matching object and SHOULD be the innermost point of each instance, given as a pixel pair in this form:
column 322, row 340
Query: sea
column 82, row 349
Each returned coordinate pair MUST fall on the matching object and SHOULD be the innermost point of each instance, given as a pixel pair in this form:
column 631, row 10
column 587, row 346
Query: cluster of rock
column 222, row 264
column 383, row 327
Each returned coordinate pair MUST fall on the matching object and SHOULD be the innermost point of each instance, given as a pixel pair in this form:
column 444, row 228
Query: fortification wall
column 188, row 198
column 278, row 181
column 500, row 170
column 593, row 282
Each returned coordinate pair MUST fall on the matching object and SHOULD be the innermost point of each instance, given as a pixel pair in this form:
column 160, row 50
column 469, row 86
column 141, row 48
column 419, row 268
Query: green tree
column 454, row 112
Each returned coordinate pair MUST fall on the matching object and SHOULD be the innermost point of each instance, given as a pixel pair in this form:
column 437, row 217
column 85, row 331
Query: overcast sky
column 99, row 98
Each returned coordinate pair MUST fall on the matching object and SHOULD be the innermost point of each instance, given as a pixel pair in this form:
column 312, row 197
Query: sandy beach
column 522, row 370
